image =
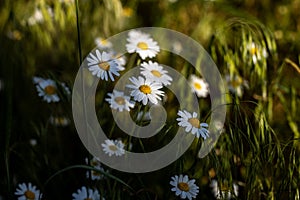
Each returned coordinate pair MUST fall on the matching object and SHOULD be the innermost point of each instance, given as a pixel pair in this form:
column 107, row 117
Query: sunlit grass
column 255, row 46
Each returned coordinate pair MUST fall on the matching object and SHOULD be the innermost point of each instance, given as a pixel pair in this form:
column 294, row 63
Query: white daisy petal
column 27, row 192
column 142, row 44
column 103, row 65
column 192, row 124
column 86, row 193
column 184, row 187
column 119, row 101
column 143, row 90
column 113, row 147
column 199, row 86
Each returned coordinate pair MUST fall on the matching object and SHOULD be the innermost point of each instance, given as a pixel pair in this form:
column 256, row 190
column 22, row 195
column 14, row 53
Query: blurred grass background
column 260, row 147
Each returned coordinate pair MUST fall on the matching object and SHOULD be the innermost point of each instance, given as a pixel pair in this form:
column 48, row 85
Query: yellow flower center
column 113, row 147
column 95, row 173
column 94, row 163
column 17, row 35
column 127, row 12
column 254, row 50
column 236, row 82
column 145, row 89
column 104, row 42
column 156, row 73
column 120, row 100
column 29, row 195
column 183, row 187
column 142, row 45
column 104, row 65
column 197, row 86
column 224, row 187
column 195, row 122
column 50, row 90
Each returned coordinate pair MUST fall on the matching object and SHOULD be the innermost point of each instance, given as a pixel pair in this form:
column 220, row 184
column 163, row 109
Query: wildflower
column 14, row 35
column 224, row 190
column 47, row 89
column 38, row 16
column 103, row 65
column 143, row 44
column 155, row 72
column 103, row 43
column 257, row 52
column 86, row 194
column 236, row 84
column 136, row 34
column 33, row 142
column 27, row 192
column 67, row 1
column 199, row 86
column 184, row 187
column 120, row 59
column 113, row 147
column 119, row 101
column 59, row 121
column 127, row 12
column 95, row 175
column 177, row 47
column 192, row 124
column 145, row 89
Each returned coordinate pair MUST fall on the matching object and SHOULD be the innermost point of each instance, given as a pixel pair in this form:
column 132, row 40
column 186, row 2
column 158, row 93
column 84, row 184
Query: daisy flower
column 66, row 1
column 119, row 101
column 137, row 34
column 14, row 35
column 38, row 16
column 59, row 121
column 33, row 142
column 142, row 44
column 120, row 59
column 192, row 124
column 199, row 86
column 145, row 89
column 154, row 71
column 103, row 43
column 47, row 89
column 27, row 192
column 257, row 52
column 224, row 191
column 95, row 175
column 184, row 187
column 236, row 84
column 103, row 65
column 86, row 194
column 113, row 147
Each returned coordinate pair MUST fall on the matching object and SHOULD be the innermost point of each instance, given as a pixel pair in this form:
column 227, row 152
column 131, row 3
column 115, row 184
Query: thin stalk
column 78, row 31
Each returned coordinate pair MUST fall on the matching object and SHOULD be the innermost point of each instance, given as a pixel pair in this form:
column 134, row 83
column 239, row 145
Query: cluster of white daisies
column 183, row 187
column 146, row 88
column 30, row 192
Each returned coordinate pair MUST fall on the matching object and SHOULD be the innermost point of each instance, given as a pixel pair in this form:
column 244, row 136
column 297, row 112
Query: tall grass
column 255, row 42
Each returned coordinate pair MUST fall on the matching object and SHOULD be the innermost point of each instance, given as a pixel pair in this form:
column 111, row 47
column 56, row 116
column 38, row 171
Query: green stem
column 78, row 31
